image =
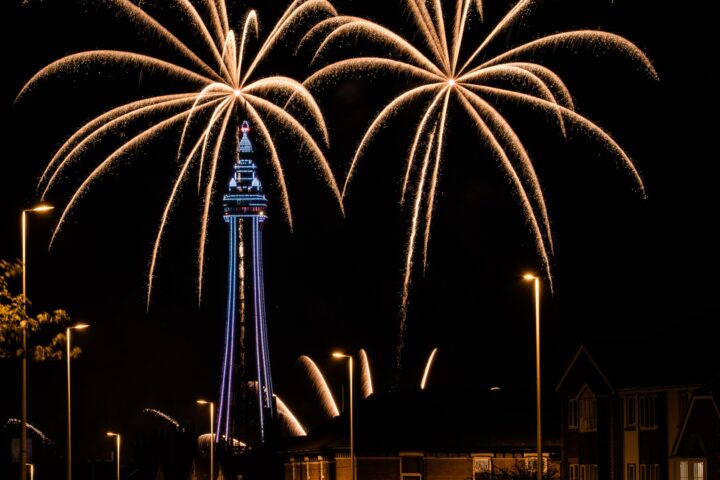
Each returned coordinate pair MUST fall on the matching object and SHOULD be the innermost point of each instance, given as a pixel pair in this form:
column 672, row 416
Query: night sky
column 629, row 272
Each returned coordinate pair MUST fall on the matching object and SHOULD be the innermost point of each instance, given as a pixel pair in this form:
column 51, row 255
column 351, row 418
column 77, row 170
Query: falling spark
column 162, row 415
column 365, row 377
column 439, row 77
column 428, row 365
column 296, row 429
column 321, row 386
column 221, row 91
column 18, row 422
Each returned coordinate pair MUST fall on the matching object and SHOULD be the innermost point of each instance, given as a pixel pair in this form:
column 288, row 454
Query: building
column 246, row 409
column 443, row 434
column 643, row 421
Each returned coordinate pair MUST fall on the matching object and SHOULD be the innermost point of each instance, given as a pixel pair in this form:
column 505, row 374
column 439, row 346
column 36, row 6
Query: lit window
column 684, row 471
column 573, row 413
column 631, row 473
column 573, row 471
column 482, row 467
column 630, row 421
column 647, row 411
column 698, row 471
column 588, row 414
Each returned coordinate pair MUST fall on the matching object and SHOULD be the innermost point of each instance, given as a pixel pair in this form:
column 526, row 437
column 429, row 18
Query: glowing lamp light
column 339, row 355
column 41, row 208
column 80, row 326
column 111, row 434
column 529, row 276
column 202, row 402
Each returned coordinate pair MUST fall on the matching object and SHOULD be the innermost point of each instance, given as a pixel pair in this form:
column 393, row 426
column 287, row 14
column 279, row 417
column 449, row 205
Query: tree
column 14, row 316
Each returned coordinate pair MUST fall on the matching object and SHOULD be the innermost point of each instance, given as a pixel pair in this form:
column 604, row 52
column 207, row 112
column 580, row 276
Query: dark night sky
column 629, row 272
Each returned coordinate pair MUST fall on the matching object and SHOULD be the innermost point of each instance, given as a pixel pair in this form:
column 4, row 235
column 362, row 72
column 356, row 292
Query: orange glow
column 529, row 276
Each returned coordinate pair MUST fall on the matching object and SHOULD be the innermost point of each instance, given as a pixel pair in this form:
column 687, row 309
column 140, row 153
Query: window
column 684, row 471
column 411, row 467
column 588, row 472
column 647, row 411
column 573, row 470
column 482, row 467
column 573, row 413
column 592, row 472
column 531, row 463
column 631, row 472
column 588, row 414
column 630, row 421
column 698, row 471
column 650, row 472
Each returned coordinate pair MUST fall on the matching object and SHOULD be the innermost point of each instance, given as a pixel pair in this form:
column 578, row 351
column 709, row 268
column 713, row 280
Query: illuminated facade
column 246, row 410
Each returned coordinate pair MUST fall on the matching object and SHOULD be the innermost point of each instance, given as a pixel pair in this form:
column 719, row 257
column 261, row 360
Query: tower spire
column 244, row 207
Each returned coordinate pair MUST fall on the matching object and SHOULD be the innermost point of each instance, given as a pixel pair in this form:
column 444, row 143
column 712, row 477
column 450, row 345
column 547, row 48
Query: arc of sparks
column 428, row 366
column 291, row 421
column 366, row 383
column 320, row 385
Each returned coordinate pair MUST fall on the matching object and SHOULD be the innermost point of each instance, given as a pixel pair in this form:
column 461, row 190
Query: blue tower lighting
column 247, row 407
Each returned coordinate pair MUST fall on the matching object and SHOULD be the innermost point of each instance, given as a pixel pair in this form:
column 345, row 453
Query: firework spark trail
column 321, row 386
column 18, row 422
column 440, row 76
column 295, row 427
column 162, row 415
column 428, row 365
column 434, row 182
column 219, row 80
column 510, row 170
column 366, row 384
column 411, row 244
column 578, row 119
column 157, row 107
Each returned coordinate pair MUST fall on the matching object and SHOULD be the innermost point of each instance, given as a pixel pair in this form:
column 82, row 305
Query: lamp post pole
column 81, row 326
column 212, row 435
column 117, row 451
column 352, row 434
column 536, row 284
column 23, row 326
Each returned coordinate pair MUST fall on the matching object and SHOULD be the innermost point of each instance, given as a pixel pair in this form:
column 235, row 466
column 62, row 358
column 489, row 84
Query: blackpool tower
column 247, row 408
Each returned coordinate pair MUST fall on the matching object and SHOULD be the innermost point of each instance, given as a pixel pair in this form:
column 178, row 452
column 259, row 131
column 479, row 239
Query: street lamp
column 117, row 450
column 23, row 325
column 352, row 436
column 80, row 326
column 536, row 280
column 212, row 436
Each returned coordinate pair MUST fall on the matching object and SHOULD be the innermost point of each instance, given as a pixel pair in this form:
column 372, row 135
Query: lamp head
column 339, row 355
column 529, row 276
column 41, row 208
column 112, row 434
column 80, row 326
column 202, row 402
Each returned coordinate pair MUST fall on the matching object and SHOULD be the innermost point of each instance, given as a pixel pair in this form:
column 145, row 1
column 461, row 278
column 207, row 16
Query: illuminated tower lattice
column 247, row 407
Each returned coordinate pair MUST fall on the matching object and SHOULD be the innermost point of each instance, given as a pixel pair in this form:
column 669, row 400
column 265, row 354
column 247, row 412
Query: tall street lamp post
column 23, row 325
column 117, row 451
column 80, row 326
column 212, row 435
column 352, row 436
column 536, row 283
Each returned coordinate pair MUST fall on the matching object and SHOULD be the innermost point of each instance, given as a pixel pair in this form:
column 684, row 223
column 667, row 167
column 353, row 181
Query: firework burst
column 223, row 84
column 442, row 70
